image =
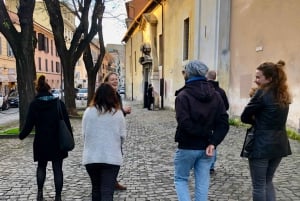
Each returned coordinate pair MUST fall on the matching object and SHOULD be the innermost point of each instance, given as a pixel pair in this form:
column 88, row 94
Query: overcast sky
column 114, row 27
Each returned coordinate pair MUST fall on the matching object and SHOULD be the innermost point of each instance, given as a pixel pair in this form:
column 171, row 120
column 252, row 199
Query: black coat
column 221, row 91
column 201, row 116
column 269, row 121
column 43, row 115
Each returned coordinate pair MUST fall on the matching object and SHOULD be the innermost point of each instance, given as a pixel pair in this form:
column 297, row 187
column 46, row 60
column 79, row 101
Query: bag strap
column 59, row 109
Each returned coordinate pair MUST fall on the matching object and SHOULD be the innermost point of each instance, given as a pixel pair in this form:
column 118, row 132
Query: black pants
column 103, row 178
column 57, row 171
column 150, row 102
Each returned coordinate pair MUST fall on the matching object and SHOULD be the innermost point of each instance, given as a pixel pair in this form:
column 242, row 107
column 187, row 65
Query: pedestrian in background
column 267, row 112
column 43, row 116
column 202, row 124
column 104, row 130
column 211, row 77
column 113, row 80
column 150, row 97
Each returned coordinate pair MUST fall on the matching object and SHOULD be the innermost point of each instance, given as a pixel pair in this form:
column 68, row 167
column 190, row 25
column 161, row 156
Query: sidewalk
column 148, row 165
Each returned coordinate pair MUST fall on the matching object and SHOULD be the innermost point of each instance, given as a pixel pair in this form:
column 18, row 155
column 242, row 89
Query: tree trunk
column 69, row 91
column 22, row 44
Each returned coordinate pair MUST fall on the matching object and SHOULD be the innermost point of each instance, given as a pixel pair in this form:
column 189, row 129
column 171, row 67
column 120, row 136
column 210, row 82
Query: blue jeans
column 262, row 173
column 186, row 160
column 214, row 160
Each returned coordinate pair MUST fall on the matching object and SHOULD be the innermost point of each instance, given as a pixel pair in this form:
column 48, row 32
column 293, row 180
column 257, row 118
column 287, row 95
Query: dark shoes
column 212, row 171
column 57, row 198
column 120, row 187
column 40, row 196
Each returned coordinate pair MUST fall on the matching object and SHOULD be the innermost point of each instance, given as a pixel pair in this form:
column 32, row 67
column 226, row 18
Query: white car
column 56, row 93
column 1, row 100
column 82, row 94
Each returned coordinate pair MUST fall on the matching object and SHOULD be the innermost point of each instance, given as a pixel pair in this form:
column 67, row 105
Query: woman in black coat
column 267, row 112
column 43, row 116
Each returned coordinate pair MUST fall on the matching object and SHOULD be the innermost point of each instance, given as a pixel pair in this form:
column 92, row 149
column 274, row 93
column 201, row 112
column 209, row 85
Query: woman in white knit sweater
column 104, row 131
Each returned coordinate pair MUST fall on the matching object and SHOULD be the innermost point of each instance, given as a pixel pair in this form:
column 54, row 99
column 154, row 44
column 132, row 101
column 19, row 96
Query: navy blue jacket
column 201, row 116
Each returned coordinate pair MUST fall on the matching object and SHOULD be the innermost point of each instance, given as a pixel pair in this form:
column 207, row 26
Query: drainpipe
column 131, row 70
column 162, row 80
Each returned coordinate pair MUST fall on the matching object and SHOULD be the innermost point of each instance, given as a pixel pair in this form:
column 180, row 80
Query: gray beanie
column 195, row 68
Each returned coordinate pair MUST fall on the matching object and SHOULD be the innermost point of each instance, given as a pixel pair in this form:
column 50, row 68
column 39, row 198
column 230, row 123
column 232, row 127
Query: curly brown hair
column 278, row 82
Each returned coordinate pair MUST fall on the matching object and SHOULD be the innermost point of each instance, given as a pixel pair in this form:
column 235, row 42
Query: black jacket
column 221, row 91
column 201, row 116
column 269, row 121
column 43, row 115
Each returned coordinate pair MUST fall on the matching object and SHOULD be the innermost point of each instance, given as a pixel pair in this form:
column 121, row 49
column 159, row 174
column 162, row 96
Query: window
column 57, row 67
column 186, row 30
column 46, row 64
column 46, row 41
column 51, row 47
column 40, row 63
column 9, row 51
column 41, row 41
column 161, row 50
column 52, row 69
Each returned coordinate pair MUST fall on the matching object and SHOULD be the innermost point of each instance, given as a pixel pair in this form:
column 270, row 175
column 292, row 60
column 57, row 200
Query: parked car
column 121, row 90
column 13, row 99
column 1, row 100
column 82, row 94
column 56, row 93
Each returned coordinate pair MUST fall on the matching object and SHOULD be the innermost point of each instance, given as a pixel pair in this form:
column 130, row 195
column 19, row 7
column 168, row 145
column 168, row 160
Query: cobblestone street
column 148, row 165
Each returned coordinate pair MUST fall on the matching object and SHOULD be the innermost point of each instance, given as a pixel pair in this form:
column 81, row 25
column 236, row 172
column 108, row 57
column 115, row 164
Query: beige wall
column 262, row 31
column 203, row 43
column 134, row 68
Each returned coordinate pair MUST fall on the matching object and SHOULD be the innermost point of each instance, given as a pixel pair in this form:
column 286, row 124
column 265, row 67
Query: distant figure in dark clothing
column 211, row 78
column 43, row 116
column 150, row 97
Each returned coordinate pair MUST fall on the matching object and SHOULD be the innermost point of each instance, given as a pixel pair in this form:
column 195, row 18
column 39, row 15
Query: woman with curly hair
column 267, row 112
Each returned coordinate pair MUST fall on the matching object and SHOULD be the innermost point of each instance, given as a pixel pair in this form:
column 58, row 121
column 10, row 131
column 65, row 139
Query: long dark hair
column 105, row 99
column 278, row 83
column 42, row 85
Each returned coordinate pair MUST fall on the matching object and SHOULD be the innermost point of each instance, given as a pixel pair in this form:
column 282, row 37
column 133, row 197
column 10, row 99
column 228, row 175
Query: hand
column 127, row 109
column 210, row 150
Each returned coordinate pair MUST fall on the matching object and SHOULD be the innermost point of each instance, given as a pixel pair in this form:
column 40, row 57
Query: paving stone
column 148, row 168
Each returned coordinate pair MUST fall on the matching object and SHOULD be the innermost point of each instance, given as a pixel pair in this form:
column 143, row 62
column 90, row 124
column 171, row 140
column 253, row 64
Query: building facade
column 231, row 36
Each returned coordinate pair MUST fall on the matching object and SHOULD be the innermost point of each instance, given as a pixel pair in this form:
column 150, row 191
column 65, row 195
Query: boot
column 57, row 198
column 40, row 195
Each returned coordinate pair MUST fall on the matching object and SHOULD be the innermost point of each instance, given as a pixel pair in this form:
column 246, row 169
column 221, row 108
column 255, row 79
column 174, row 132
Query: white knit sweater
column 103, row 136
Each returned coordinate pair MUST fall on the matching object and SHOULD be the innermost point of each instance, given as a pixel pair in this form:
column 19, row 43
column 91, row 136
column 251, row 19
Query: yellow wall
column 274, row 27
column 173, row 61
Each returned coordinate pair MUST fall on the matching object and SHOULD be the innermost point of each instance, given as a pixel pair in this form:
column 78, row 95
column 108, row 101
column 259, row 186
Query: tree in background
column 83, row 35
column 23, row 43
column 92, row 65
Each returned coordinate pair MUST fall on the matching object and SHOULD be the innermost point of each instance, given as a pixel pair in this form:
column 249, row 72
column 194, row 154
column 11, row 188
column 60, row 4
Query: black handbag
column 65, row 136
column 248, row 143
